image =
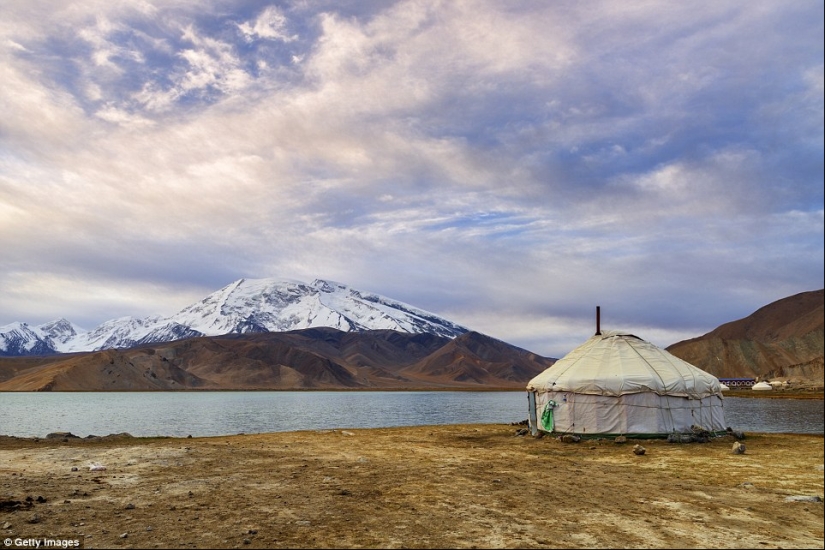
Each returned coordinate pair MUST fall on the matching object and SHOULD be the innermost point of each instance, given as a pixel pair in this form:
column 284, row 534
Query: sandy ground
column 457, row 486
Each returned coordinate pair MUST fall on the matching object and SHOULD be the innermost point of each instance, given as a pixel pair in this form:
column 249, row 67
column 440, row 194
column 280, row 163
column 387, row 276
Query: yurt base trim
column 628, row 436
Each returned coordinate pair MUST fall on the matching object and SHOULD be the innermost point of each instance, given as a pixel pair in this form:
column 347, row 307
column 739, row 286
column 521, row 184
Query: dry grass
column 458, row 486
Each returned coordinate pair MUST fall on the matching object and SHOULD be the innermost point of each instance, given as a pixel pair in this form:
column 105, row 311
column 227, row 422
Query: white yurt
column 618, row 384
column 762, row 386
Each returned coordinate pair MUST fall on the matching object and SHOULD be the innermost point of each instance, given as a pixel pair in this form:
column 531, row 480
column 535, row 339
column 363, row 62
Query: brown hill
column 473, row 358
column 319, row 358
column 782, row 340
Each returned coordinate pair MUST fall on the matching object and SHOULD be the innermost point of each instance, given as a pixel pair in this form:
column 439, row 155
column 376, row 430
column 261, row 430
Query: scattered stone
column 524, row 422
column 124, row 535
column 345, row 432
column 40, row 499
column 738, row 448
column 620, row 439
column 522, row 432
column 570, row 438
column 681, row 438
column 74, row 468
column 639, row 450
column 345, row 492
column 747, row 485
column 803, row 498
column 7, row 525
column 62, row 435
column 9, row 505
column 129, row 506
column 34, row 519
column 247, row 541
column 149, row 528
column 737, row 435
column 252, row 532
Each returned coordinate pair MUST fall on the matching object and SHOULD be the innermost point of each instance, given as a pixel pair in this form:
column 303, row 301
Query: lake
column 199, row 414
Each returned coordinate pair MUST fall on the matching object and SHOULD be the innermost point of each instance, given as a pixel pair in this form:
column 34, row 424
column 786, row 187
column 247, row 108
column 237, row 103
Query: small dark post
column 598, row 320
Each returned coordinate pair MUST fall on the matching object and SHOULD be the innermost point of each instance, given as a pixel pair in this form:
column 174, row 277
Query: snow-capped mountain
column 247, row 305
column 22, row 339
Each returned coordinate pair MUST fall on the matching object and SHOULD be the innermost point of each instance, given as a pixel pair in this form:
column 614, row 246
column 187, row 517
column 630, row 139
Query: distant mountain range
column 316, row 358
column 245, row 306
column 274, row 334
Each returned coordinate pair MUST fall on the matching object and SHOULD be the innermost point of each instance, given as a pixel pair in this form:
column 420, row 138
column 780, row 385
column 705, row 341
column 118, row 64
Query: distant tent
column 618, row 384
column 762, row 386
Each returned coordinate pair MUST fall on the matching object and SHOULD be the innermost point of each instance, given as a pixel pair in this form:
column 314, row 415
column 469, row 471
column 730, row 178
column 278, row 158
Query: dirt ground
column 457, row 486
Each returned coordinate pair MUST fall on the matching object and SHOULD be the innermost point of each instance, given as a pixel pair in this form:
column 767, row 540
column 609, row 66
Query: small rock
column 252, row 532
column 124, row 535
column 738, row 448
column 682, row 438
column 522, row 432
column 149, row 528
column 570, row 438
column 129, row 506
column 736, row 435
column 34, row 519
column 639, row 450
column 7, row 525
column 803, row 498
column 74, row 468
column 247, row 541
column 40, row 499
column 62, row 435
column 620, row 439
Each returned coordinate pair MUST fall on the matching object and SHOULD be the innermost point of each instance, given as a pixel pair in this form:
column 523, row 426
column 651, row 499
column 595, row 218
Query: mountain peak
column 243, row 306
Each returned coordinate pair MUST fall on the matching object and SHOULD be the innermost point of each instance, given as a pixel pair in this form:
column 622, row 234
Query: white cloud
column 118, row 116
column 270, row 24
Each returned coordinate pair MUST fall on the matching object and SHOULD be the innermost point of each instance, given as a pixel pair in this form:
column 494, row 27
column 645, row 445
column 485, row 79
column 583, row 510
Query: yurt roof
column 617, row 363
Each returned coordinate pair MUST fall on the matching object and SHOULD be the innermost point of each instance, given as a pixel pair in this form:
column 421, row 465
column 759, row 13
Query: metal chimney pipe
column 598, row 320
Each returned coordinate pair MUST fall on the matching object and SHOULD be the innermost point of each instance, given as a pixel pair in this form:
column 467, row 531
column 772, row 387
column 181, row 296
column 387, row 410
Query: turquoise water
column 223, row 413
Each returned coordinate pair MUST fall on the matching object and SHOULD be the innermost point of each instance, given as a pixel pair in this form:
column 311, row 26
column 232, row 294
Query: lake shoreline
column 815, row 393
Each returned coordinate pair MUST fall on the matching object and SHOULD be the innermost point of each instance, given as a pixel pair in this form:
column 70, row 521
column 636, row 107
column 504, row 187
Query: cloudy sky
column 507, row 165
